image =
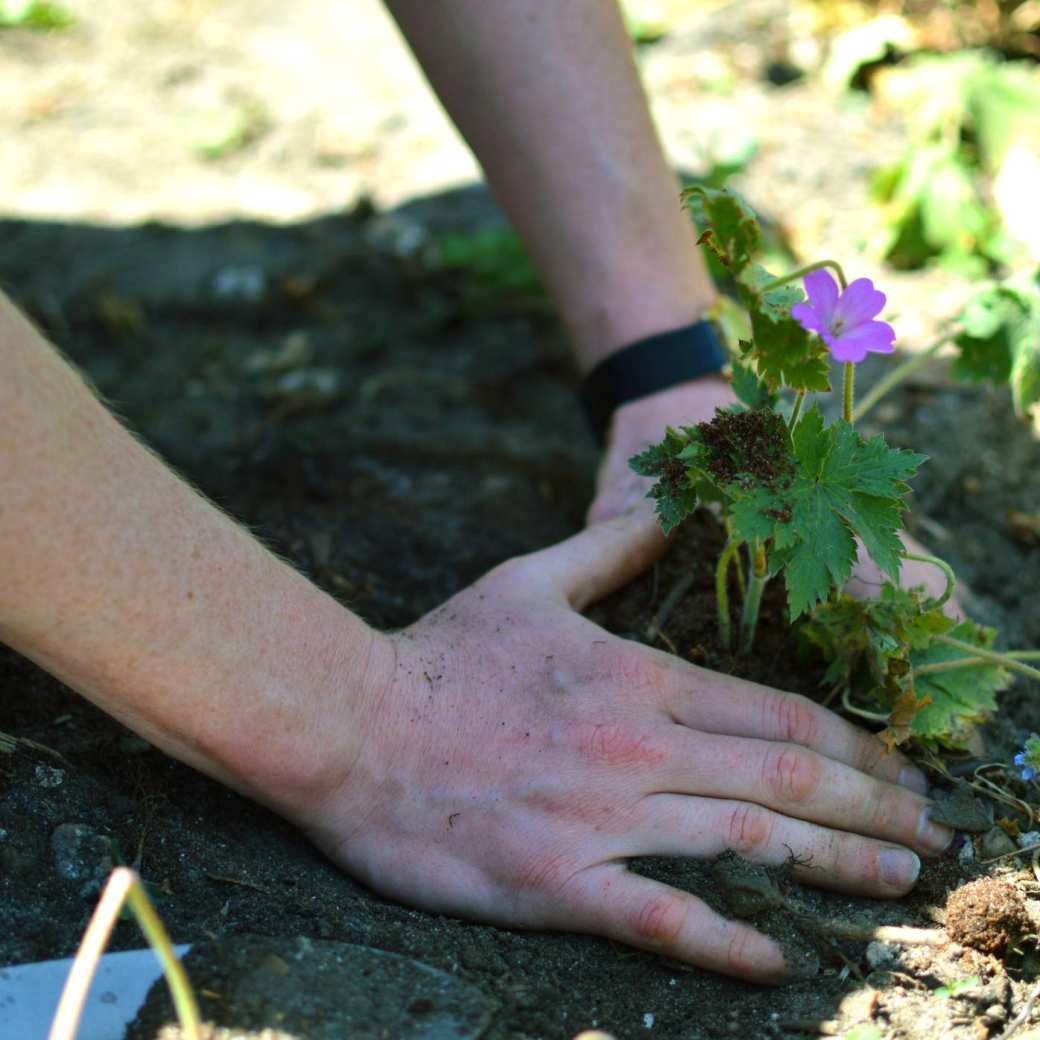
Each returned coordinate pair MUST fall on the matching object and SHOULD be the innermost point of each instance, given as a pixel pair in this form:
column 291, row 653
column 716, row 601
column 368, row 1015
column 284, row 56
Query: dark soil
column 395, row 432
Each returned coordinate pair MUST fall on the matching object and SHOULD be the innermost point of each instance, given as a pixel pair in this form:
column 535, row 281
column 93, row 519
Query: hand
column 518, row 755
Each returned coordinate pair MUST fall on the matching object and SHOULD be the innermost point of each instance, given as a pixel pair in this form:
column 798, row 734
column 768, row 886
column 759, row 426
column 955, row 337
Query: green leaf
column 783, row 353
column 727, row 224
column 674, row 494
column 1000, row 341
column 750, row 389
column 960, row 697
column 841, row 486
column 33, row 14
column 957, row 987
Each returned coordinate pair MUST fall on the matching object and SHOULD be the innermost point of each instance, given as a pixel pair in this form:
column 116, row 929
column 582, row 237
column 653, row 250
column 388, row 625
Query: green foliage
column 957, row 987
column 728, row 225
column 751, row 390
column 801, row 496
column 842, row 487
column 959, row 697
column 494, row 259
column 33, row 14
column 1000, row 341
column 674, row 494
column 889, row 652
column 970, row 114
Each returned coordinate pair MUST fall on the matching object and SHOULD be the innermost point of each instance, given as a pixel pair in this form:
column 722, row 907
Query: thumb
column 601, row 558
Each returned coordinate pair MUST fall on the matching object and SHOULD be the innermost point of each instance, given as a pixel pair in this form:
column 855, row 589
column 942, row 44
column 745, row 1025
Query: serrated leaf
column 841, row 486
column 961, row 697
column 674, row 495
column 727, row 224
column 785, row 354
column 750, row 389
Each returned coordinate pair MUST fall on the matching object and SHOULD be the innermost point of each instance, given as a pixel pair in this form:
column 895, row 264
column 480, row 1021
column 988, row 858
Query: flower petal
column 875, row 337
column 808, row 318
column 822, row 291
column 859, row 303
column 844, row 349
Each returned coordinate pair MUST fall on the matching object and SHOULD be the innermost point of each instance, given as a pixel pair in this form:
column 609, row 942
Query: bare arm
column 140, row 594
column 548, row 96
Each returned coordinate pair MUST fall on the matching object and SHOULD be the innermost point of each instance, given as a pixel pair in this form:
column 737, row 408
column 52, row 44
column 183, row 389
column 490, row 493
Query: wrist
column 649, row 366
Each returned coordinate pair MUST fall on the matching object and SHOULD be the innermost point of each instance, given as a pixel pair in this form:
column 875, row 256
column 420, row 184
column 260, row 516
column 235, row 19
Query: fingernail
column 898, row 868
column 931, row 836
column 914, row 779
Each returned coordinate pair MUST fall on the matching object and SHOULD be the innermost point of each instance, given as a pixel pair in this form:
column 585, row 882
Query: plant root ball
column 988, row 914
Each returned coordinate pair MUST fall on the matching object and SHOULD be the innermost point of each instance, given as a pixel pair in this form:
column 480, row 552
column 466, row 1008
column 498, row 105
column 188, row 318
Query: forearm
column 548, row 96
column 137, row 592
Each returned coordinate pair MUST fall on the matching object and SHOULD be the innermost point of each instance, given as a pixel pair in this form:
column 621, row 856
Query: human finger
column 637, row 911
column 597, row 560
column 715, row 703
column 675, row 825
column 797, row 782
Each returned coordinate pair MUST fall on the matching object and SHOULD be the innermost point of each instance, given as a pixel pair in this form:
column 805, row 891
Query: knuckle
column 618, row 744
column 632, row 670
column 795, row 719
column 888, row 808
column 873, row 755
column 750, row 828
column 660, row 920
column 791, row 774
column 544, row 873
column 507, row 573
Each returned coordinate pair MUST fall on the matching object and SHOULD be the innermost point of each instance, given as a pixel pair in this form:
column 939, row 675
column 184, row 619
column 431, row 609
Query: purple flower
column 845, row 321
column 1027, row 772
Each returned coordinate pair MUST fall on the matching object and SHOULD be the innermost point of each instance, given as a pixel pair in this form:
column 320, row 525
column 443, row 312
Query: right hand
column 519, row 755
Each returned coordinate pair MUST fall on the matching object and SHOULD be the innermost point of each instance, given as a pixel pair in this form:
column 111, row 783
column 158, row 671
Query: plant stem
column 722, row 593
column 1005, row 660
column 850, row 387
column 753, row 599
column 873, row 716
column 804, row 271
column 896, row 376
column 969, row 662
column 951, row 578
column 796, row 411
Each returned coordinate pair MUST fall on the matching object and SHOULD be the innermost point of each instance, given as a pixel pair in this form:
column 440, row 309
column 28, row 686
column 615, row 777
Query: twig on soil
column 891, row 933
column 1023, row 1016
column 9, row 744
column 1011, row 855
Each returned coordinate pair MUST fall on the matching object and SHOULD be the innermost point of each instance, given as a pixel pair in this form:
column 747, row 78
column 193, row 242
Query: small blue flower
column 1026, row 771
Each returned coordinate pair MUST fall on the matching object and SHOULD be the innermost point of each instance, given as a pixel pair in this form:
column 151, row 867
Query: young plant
column 798, row 496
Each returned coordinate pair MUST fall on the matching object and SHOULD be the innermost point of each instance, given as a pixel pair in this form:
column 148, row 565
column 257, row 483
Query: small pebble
column 82, row 855
column 994, row 843
column 49, row 776
column 648, row 1021
column 1029, row 839
column 881, row 954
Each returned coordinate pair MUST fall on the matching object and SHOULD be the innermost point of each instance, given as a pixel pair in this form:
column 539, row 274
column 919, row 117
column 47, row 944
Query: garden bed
column 395, row 435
